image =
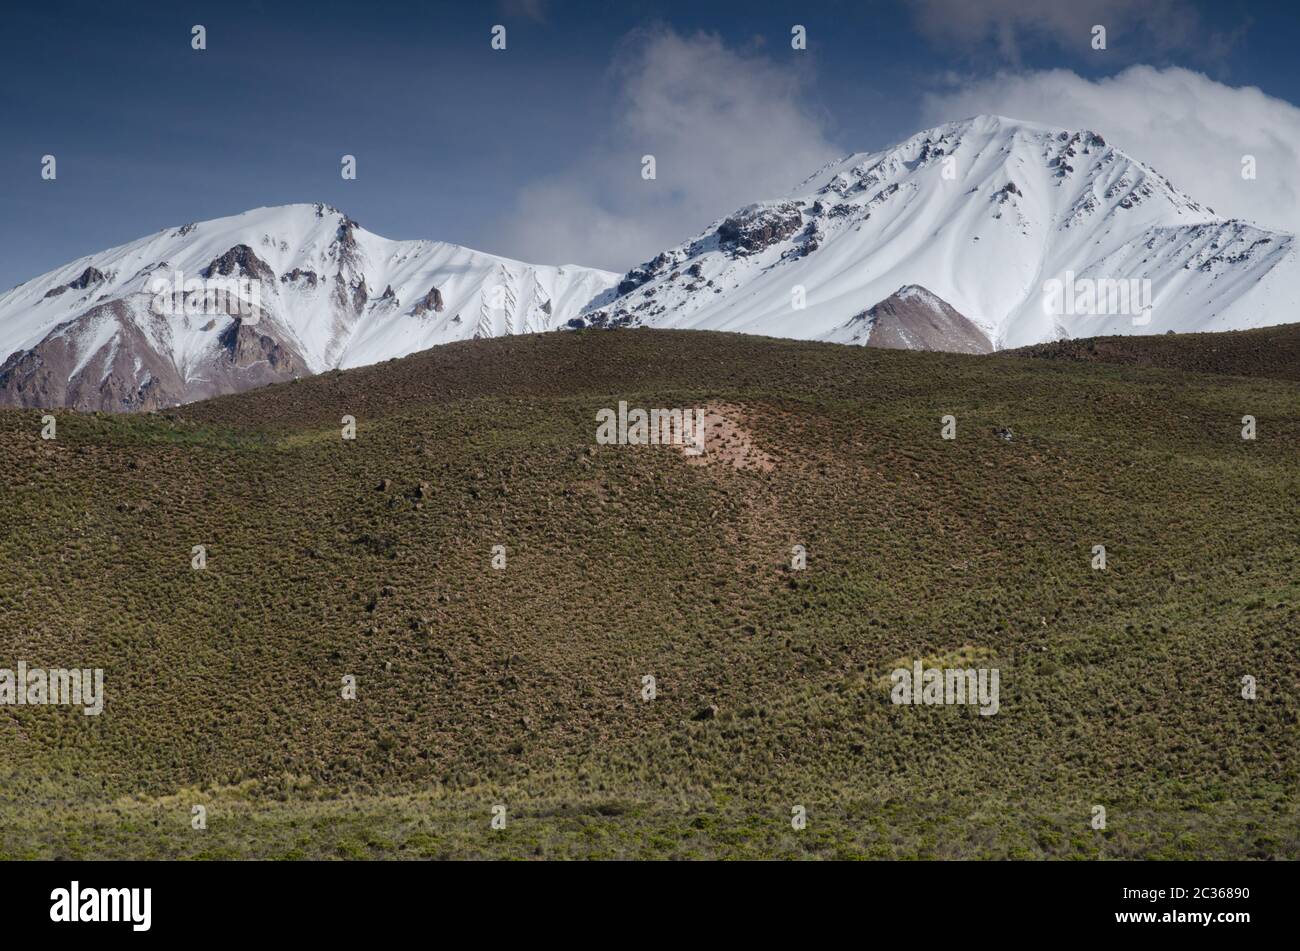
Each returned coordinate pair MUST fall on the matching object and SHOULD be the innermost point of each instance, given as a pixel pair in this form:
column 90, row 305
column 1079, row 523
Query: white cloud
column 725, row 129
column 1188, row 127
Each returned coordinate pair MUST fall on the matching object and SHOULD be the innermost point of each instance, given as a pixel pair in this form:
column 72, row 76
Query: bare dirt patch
column 728, row 441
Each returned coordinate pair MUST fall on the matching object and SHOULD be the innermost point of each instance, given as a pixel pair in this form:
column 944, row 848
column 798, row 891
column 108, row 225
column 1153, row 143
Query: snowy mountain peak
column 987, row 212
column 215, row 306
column 1070, row 158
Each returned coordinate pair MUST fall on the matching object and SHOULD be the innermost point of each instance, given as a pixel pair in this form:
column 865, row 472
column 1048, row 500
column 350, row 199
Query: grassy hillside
column 522, row 687
column 1272, row 352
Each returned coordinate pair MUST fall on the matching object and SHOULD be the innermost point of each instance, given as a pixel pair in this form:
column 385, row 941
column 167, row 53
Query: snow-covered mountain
column 273, row 294
column 950, row 240
column 984, row 214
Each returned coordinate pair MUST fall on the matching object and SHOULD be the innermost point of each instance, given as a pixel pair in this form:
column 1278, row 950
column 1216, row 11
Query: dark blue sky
column 149, row 133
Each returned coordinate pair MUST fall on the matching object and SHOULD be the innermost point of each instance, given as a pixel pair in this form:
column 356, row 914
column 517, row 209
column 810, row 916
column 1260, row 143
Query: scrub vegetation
column 523, row 687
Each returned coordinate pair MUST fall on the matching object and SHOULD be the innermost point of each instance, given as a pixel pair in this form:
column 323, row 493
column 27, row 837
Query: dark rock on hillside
column 88, row 277
column 360, row 293
column 246, row 346
column 642, row 274
column 430, row 301
column 346, row 250
column 755, row 229
column 298, row 274
column 239, row 261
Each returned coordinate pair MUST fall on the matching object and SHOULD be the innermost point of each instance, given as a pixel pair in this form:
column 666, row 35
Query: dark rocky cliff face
column 754, row 231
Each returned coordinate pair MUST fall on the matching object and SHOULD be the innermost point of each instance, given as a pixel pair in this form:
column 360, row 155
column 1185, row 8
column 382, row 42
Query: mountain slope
column 372, row 558
column 293, row 290
column 913, row 319
column 1272, row 352
column 982, row 212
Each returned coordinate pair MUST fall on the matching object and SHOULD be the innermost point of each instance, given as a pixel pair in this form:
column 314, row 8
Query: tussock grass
column 522, row 686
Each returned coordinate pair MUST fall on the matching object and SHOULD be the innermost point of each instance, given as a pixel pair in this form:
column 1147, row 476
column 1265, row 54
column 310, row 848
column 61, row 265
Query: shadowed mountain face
column 372, row 558
column 914, row 319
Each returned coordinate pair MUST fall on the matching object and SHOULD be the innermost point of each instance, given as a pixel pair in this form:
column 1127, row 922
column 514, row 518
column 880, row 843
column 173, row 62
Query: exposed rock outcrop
column 245, row 346
column 123, row 374
column 106, row 360
column 757, row 228
column 298, row 275
column 88, row 277
column 430, row 301
column 913, row 318
column 642, row 274
column 239, row 261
